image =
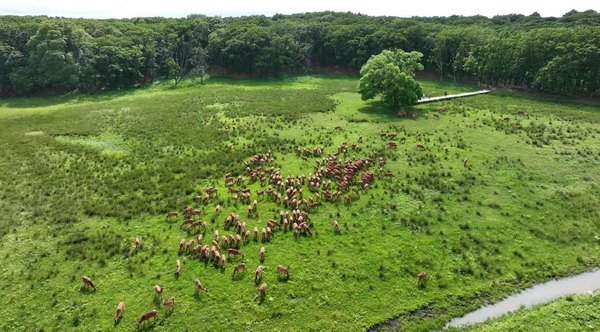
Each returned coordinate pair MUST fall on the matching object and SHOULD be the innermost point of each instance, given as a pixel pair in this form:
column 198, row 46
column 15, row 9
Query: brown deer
column 169, row 303
column 158, row 290
column 172, row 214
column 258, row 274
column 262, row 254
column 263, row 289
column 284, row 271
column 269, row 233
column 181, row 245
column 87, row 282
column 238, row 268
column 137, row 243
column 146, row 316
column 336, row 227
column 120, row 310
column 177, row 267
column 234, row 252
column 199, row 286
column 421, row 277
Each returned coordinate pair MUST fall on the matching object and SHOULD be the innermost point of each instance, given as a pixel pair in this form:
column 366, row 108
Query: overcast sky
column 181, row 8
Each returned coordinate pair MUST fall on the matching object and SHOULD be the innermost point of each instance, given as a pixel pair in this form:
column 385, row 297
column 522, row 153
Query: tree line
column 46, row 54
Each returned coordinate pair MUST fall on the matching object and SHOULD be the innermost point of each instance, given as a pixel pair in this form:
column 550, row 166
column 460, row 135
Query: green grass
column 83, row 175
column 571, row 313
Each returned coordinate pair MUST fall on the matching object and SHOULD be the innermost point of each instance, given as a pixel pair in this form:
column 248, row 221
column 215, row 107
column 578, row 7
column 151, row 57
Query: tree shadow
column 151, row 325
column 283, row 278
column 378, row 109
column 86, row 290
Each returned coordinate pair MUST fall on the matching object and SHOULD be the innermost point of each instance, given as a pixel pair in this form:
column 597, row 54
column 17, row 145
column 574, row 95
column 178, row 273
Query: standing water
column 578, row 284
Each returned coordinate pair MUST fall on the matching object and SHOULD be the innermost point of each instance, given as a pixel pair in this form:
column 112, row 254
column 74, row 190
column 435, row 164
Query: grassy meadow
column 84, row 175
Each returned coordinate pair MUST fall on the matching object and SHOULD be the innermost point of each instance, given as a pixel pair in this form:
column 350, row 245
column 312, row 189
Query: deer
column 258, row 274
column 87, row 282
column 146, row 316
column 234, row 252
column 177, row 267
column 120, row 310
column 172, row 214
column 285, row 271
column 199, row 286
column 263, row 289
column 158, row 290
column 262, row 254
column 238, row 268
column 421, row 277
column 169, row 303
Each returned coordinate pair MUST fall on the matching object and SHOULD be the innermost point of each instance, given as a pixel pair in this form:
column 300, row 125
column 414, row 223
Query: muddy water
column 578, row 284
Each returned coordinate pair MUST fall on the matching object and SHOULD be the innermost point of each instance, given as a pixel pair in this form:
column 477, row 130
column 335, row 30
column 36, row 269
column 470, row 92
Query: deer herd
column 333, row 180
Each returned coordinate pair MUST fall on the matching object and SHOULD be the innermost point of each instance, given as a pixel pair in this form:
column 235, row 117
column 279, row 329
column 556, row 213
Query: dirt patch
column 34, row 133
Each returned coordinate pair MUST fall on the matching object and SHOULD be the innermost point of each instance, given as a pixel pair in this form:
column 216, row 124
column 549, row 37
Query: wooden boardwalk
column 448, row 97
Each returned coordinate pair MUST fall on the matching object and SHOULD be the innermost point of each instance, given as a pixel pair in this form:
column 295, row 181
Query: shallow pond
column 541, row 293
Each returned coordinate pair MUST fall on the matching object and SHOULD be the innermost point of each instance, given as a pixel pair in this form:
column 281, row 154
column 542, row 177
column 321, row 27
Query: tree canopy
column 554, row 54
column 390, row 75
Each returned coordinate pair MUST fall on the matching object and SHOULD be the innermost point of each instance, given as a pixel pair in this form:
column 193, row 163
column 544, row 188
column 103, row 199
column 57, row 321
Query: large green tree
column 390, row 75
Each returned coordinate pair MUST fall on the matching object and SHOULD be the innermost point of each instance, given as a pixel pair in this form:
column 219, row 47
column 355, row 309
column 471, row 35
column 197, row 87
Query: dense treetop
column 390, row 75
column 551, row 54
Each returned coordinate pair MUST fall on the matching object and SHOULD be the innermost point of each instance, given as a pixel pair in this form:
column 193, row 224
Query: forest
column 40, row 54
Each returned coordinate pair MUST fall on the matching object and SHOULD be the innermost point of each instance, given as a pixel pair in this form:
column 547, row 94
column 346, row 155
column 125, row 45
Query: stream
column 540, row 293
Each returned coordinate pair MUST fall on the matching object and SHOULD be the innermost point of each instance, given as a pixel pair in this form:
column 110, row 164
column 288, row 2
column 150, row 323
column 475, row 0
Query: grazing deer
column 225, row 241
column 421, row 277
column 238, row 268
column 137, row 243
column 263, row 289
column 169, row 303
column 177, row 267
column 466, row 162
column 189, row 246
column 262, row 254
column 172, row 214
column 263, row 233
column 216, row 235
column 200, row 238
column 199, row 286
column 285, row 271
column 223, row 262
column 234, row 252
column 120, row 310
column 158, row 290
column 420, row 146
column 87, row 282
column 146, row 316
column 336, row 227
column 258, row 274
column 181, row 245
column 218, row 209
column 269, row 233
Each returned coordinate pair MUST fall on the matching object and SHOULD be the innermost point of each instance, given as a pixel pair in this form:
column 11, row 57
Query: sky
column 181, row 8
